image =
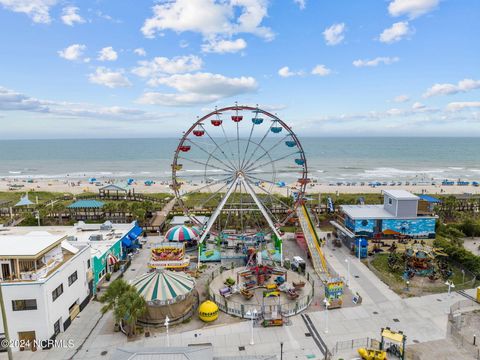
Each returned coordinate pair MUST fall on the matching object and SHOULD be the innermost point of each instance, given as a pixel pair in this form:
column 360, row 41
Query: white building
column 45, row 283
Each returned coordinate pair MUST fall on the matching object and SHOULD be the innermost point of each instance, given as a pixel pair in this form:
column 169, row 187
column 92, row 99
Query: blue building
column 398, row 217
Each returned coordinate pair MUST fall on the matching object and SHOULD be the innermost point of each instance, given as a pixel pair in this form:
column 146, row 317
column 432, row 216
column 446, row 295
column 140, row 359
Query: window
column 21, row 305
column 56, row 327
column 88, row 264
column 390, row 201
column 72, row 278
column 57, row 292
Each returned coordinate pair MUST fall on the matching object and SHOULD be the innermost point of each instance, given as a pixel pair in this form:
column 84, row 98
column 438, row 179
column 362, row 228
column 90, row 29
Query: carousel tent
column 167, row 293
column 182, row 233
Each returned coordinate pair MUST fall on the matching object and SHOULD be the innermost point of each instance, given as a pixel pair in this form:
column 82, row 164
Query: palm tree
column 58, row 209
column 123, row 207
column 130, row 306
column 111, row 296
column 110, row 207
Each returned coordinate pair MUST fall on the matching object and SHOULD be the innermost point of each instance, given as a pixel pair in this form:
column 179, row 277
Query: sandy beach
column 65, row 186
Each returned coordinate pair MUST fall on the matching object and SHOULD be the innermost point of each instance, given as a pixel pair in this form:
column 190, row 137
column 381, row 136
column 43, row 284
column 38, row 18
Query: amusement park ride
column 236, row 159
column 236, row 163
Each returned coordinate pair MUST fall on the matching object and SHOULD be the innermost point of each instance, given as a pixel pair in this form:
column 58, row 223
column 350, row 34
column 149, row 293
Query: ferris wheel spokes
column 206, row 152
column 269, row 162
column 198, row 190
column 217, row 146
column 260, row 143
column 204, row 164
column 266, row 152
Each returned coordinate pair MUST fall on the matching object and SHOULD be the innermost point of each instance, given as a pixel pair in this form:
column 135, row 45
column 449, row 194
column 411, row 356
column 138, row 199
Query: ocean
column 329, row 159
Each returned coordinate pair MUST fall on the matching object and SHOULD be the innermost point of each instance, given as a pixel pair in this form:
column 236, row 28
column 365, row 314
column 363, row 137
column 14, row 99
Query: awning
column 127, row 242
column 112, row 259
column 135, row 232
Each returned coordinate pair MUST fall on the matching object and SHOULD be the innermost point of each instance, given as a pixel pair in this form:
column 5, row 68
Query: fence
column 345, row 345
column 248, row 311
column 455, row 325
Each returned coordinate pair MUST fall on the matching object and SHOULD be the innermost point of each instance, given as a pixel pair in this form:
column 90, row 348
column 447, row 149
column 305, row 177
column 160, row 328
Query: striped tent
column 181, row 233
column 164, row 287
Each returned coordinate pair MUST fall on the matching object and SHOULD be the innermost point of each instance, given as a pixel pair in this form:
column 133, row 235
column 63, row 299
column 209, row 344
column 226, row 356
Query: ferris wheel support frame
column 239, row 180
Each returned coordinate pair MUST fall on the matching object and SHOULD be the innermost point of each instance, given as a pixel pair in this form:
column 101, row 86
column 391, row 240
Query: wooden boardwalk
column 160, row 217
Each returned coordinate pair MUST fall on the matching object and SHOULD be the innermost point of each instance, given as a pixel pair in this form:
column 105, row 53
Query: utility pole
column 5, row 325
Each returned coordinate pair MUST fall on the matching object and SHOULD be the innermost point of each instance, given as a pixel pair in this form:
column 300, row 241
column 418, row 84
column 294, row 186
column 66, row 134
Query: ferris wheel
column 244, row 164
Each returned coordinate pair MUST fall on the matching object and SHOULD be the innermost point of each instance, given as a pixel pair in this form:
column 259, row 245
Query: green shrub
column 459, row 254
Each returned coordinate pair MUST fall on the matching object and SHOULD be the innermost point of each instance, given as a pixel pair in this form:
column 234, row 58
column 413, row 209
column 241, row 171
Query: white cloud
column 450, row 89
column 106, row 77
column 107, row 54
column 412, row 8
column 286, row 72
column 161, row 66
column 401, row 98
column 321, row 70
column 396, row 32
column 461, row 105
column 209, row 17
column 199, row 88
column 418, row 106
column 301, row 3
column 70, row 16
column 73, row 52
column 375, row 62
column 140, row 52
column 37, row 10
column 11, row 100
column 334, row 34
column 224, row 46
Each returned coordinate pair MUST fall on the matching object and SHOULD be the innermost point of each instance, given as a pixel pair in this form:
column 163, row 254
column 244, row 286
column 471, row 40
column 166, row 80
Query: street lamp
column 166, row 325
column 327, row 304
column 252, row 315
column 450, row 285
column 348, row 272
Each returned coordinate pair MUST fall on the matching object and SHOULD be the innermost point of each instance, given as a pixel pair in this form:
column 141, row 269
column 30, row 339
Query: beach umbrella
column 92, row 179
column 181, row 233
column 163, row 287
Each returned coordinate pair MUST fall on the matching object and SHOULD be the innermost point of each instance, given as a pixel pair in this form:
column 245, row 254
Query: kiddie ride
column 271, row 279
column 392, row 343
column 421, row 260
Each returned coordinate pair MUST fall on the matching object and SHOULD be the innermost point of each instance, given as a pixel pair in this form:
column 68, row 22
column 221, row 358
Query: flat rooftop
column 401, row 194
column 28, row 244
column 31, row 240
column 366, row 212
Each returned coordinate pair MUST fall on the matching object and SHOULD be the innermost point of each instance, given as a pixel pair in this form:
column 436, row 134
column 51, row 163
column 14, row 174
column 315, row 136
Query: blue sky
column 107, row 68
